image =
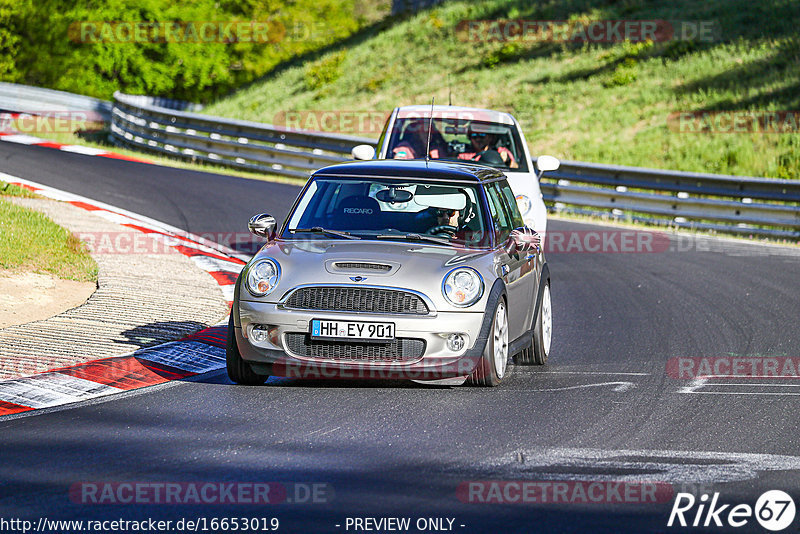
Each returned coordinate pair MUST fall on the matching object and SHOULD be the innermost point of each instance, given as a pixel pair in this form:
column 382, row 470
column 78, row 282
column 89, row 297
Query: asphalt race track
column 605, row 407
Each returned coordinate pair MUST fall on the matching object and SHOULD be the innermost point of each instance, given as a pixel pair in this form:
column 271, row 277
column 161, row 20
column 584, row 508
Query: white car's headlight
column 462, row 286
column 262, row 277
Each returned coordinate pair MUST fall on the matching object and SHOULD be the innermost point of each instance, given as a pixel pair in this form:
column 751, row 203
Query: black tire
column 239, row 370
column 537, row 351
column 486, row 372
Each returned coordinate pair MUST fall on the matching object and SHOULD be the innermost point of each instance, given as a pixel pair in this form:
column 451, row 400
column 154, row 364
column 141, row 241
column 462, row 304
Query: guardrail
column 242, row 144
column 736, row 204
column 38, row 101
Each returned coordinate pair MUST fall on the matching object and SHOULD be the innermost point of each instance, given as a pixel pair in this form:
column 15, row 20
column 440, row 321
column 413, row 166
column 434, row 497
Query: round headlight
column 462, row 287
column 262, row 277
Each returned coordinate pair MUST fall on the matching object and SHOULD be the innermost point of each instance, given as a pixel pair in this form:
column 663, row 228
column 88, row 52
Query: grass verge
column 31, row 242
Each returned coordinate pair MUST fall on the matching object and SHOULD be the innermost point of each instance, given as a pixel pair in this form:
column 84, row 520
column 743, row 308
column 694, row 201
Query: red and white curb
column 199, row 353
column 25, row 139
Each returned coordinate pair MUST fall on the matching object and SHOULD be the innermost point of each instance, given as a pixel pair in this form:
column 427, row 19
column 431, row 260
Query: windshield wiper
column 415, row 237
column 321, row 230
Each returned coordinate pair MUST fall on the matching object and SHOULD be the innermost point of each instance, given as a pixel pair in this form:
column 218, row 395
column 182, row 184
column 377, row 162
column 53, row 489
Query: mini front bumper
column 437, row 361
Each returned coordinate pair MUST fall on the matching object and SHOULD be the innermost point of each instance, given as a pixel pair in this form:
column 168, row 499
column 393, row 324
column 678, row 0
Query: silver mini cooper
column 397, row 270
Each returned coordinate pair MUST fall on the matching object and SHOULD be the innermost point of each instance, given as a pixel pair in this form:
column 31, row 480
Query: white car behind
column 461, row 133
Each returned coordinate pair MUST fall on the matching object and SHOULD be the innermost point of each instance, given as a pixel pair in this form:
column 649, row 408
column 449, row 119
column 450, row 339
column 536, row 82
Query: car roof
column 456, row 112
column 416, row 168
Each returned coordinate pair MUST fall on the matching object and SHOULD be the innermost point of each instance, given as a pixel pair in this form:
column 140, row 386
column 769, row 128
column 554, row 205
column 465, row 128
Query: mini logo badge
column 358, row 278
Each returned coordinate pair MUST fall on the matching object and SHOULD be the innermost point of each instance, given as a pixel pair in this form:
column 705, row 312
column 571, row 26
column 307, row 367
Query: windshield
column 490, row 143
column 389, row 209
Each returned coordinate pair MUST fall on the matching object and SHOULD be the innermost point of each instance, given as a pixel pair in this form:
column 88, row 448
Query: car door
column 516, row 267
column 531, row 270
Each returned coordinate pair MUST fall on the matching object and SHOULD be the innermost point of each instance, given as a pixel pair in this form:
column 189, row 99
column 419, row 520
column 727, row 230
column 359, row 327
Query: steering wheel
column 443, row 229
column 490, row 157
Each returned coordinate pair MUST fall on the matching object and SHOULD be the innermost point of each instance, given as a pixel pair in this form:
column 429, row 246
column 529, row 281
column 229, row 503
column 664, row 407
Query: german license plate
column 352, row 330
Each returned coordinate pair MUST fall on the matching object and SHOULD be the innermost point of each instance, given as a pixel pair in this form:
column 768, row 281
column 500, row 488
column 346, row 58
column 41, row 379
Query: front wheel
column 239, row 370
column 493, row 363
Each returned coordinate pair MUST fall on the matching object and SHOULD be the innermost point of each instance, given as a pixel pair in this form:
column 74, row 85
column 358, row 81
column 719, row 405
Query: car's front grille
column 400, row 350
column 357, row 299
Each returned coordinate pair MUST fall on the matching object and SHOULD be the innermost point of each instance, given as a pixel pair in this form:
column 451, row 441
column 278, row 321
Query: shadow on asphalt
column 152, row 334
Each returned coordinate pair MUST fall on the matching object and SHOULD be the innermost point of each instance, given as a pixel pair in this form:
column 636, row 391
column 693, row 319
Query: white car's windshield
column 387, row 209
column 489, row 143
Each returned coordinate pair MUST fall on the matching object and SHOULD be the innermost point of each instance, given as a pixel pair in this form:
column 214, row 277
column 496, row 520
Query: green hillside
column 600, row 102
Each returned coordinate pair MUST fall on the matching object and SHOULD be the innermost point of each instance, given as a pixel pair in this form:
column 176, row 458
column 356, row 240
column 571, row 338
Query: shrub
column 53, row 54
column 324, row 71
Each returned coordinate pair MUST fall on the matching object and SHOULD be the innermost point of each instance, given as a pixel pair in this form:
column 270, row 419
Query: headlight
column 262, row 277
column 462, row 287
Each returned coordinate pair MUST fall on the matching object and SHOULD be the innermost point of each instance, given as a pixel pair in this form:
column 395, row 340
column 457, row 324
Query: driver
column 447, row 221
column 448, row 217
column 483, row 141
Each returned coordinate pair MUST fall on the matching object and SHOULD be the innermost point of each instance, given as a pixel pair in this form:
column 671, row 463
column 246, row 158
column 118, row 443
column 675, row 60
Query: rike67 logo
column 774, row 510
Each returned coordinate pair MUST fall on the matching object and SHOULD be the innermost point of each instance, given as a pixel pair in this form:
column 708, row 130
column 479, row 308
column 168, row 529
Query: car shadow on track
column 152, row 334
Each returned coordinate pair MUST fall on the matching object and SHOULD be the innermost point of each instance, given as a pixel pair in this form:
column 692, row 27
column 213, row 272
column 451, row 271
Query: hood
column 410, row 265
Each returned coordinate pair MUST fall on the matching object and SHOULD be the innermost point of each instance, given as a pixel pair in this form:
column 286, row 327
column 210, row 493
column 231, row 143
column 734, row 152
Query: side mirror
column 547, row 163
column 523, row 239
column 263, row 225
column 363, row 152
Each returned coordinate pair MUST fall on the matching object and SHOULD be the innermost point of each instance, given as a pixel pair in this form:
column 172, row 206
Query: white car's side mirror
column 547, row 163
column 363, row 152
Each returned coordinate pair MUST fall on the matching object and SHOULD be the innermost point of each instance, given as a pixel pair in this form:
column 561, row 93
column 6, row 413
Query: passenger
column 415, row 137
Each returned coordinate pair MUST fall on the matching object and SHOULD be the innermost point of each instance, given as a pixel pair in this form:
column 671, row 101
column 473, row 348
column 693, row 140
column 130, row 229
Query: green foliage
column 327, row 70
column 504, row 53
column 45, row 43
column 676, row 49
column 9, row 42
column 624, row 74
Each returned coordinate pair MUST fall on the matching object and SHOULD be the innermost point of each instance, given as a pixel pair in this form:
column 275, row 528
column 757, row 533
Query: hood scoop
column 361, row 267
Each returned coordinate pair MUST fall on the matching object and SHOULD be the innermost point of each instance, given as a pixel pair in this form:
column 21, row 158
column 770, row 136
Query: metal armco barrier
column 242, row 144
column 35, row 100
column 736, row 204
column 708, row 201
